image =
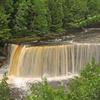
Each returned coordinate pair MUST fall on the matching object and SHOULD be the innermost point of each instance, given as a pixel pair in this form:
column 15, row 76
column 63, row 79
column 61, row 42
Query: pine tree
column 32, row 17
column 4, row 29
column 92, row 7
column 10, row 7
column 68, row 16
column 41, row 24
column 57, row 15
column 74, row 12
column 21, row 26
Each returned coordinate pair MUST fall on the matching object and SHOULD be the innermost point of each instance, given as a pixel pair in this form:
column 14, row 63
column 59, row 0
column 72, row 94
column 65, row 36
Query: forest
column 22, row 18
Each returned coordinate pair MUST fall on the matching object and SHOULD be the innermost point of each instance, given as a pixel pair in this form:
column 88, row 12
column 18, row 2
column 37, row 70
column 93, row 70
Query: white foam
column 21, row 82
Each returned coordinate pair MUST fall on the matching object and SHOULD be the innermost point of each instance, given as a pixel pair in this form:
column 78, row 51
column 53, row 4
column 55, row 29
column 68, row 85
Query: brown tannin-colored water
column 59, row 60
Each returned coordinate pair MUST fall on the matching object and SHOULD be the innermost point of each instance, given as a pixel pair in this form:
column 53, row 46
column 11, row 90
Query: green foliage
column 74, row 11
column 93, row 7
column 43, row 91
column 87, row 86
column 4, row 89
column 41, row 24
column 21, row 18
column 90, row 21
column 4, row 29
column 87, row 22
column 57, row 15
column 31, row 17
column 39, row 17
column 7, row 5
column 79, row 11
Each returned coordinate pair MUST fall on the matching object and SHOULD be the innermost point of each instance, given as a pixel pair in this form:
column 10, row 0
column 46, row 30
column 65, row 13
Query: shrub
column 87, row 22
column 43, row 91
column 87, row 86
column 4, row 89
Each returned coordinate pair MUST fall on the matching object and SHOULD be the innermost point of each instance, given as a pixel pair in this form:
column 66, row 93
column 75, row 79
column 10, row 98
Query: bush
column 90, row 21
column 4, row 89
column 87, row 22
column 85, row 87
column 43, row 91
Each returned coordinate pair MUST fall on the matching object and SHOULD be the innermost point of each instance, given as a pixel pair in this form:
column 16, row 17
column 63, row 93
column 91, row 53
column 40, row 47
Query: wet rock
column 18, row 94
column 2, row 60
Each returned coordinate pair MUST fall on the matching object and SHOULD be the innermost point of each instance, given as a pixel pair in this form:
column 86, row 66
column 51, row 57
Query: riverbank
column 87, row 36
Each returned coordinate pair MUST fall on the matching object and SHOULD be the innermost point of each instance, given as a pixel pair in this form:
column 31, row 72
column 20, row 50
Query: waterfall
column 53, row 61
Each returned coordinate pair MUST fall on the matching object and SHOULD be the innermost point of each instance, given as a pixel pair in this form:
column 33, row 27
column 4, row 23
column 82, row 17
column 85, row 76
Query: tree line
column 39, row 17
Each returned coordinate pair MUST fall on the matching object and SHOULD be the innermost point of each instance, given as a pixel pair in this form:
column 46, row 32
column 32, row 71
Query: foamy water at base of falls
column 25, row 83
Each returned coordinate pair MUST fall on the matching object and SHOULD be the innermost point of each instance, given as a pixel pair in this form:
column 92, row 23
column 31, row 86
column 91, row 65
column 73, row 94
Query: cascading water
column 52, row 61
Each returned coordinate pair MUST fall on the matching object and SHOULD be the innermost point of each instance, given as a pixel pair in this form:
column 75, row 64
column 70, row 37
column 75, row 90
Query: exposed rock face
column 3, row 53
column 2, row 60
column 18, row 94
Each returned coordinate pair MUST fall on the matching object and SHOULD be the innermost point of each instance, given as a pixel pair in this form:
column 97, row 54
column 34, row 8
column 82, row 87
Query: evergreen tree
column 4, row 29
column 41, row 24
column 21, row 26
column 56, row 12
column 32, row 17
column 9, row 8
column 68, row 16
column 74, row 12
column 26, row 17
column 92, row 7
